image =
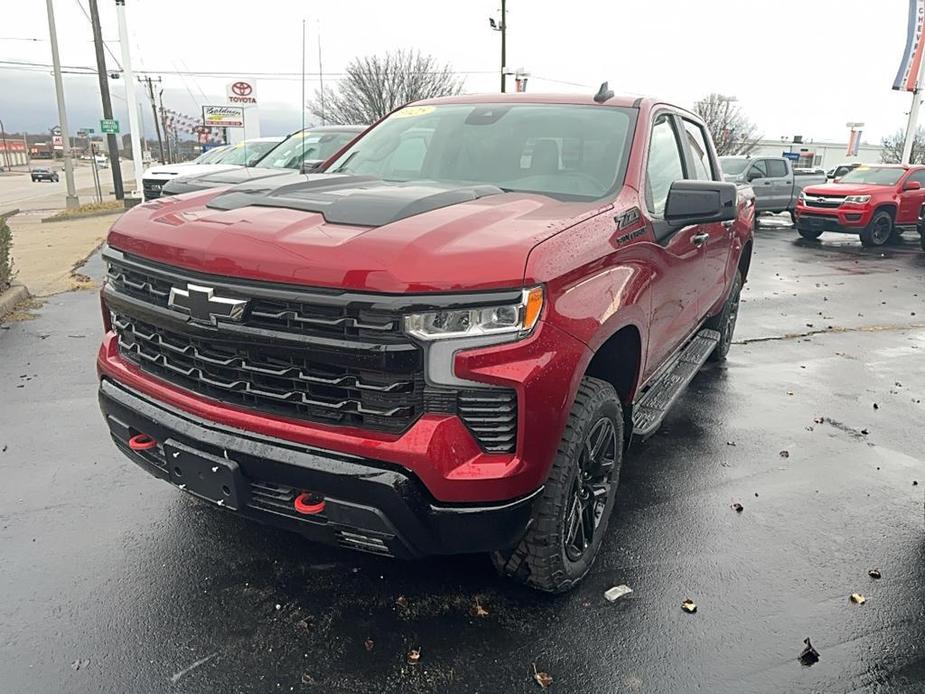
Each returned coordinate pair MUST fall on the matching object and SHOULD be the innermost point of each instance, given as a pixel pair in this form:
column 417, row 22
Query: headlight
column 475, row 322
column 857, row 198
column 801, row 198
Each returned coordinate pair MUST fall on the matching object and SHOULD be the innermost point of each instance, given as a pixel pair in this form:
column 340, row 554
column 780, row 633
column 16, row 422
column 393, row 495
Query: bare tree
column 732, row 131
column 375, row 85
column 892, row 145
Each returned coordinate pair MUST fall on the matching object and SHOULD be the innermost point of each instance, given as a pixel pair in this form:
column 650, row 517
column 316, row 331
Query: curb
column 70, row 218
column 10, row 298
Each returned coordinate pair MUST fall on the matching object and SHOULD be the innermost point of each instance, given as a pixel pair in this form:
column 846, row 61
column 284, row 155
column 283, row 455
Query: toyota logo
column 242, row 88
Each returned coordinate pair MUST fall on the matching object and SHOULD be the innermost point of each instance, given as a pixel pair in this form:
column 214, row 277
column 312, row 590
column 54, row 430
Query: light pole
column 111, row 142
column 502, row 27
column 71, row 200
column 131, row 101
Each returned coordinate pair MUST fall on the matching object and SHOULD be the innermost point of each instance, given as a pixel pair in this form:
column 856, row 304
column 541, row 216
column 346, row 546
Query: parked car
column 44, row 175
column 877, row 203
column 235, row 156
column 841, row 170
column 445, row 343
column 773, row 179
column 302, row 151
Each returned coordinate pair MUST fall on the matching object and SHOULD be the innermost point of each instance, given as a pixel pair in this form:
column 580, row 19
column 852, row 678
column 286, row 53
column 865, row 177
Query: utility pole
column 913, row 125
column 503, row 45
column 71, row 200
column 157, row 124
column 111, row 140
column 131, row 101
column 160, row 96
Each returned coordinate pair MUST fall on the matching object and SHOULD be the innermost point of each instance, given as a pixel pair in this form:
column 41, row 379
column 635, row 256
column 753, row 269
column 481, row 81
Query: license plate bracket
column 204, row 475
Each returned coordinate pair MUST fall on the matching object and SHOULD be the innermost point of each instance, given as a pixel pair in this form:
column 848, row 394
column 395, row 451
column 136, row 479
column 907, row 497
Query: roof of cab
column 534, row 98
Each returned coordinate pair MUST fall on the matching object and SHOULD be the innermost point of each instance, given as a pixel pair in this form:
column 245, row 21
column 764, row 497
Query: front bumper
column 849, row 220
column 370, row 505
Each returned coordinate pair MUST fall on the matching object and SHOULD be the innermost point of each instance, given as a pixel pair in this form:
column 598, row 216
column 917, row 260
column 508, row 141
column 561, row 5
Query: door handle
column 700, row 239
column 768, row 183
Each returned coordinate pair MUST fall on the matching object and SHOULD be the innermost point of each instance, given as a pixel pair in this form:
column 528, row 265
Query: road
column 18, row 191
column 113, row 581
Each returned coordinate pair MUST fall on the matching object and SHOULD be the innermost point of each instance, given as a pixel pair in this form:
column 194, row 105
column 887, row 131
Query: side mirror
column 753, row 174
column 912, row 185
column 701, row 202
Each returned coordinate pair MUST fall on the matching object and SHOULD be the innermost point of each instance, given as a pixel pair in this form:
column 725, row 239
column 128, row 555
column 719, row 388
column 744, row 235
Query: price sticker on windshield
column 412, row 111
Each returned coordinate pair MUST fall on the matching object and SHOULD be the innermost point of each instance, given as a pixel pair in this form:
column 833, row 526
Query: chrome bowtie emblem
column 201, row 304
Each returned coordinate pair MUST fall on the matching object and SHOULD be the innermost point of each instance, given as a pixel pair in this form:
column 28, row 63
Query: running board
column 651, row 408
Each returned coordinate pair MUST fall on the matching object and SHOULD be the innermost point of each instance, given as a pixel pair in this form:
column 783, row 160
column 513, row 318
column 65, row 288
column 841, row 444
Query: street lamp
column 501, row 25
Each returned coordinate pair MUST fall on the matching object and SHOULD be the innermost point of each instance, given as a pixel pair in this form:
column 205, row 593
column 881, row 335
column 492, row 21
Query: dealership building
column 823, row 155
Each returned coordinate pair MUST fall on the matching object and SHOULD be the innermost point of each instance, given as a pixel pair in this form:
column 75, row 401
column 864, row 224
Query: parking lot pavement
column 113, row 581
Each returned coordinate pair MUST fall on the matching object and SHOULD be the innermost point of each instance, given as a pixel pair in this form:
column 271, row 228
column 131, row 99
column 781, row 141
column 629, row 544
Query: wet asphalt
column 112, row 581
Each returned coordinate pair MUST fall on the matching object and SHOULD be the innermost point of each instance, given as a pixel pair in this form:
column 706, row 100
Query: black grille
column 324, row 386
column 491, row 416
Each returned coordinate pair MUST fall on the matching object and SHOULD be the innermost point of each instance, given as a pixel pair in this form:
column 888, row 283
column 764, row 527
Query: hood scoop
column 354, row 200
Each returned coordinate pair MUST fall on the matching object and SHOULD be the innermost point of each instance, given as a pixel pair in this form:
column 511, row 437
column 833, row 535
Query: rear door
column 781, row 184
column 679, row 269
column 702, row 166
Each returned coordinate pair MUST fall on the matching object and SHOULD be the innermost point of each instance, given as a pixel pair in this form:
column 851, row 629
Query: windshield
column 211, row 156
column 565, row 151
column 305, row 146
column 733, row 166
column 246, row 153
column 874, row 175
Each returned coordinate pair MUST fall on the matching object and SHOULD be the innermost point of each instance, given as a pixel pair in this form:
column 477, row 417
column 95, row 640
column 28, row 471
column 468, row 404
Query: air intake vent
column 491, row 416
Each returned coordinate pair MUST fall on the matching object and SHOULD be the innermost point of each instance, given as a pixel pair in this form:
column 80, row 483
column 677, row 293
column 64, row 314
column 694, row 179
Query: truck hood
column 845, row 189
column 185, row 183
column 171, row 170
column 352, row 233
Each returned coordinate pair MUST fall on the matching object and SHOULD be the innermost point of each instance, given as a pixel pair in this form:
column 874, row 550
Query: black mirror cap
column 701, row 202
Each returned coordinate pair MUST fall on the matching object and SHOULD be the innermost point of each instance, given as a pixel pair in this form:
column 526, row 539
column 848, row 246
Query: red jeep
column 442, row 344
column 877, row 203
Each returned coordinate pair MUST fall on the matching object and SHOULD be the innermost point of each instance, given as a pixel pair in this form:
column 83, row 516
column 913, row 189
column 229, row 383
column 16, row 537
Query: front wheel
column 724, row 322
column 879, row 231
column 570, row 517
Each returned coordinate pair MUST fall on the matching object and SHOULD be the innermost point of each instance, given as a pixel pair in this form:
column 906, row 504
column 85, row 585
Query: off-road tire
column 724, row 322
column 810, row 234
column 922, row 240
column 793, row 217
column 878, row 231
column 539, row 560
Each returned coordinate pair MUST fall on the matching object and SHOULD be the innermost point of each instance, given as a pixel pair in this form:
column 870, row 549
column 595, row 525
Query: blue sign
column 792, row 156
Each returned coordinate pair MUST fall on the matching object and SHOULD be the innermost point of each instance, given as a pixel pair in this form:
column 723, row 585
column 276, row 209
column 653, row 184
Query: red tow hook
column 309, row 504
column 141, row 442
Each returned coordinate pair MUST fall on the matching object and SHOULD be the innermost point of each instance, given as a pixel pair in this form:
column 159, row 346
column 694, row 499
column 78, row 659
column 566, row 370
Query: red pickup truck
column 444, row 343
column 877, row 203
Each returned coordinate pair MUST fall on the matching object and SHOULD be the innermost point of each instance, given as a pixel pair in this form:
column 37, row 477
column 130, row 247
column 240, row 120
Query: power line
column 89, row 19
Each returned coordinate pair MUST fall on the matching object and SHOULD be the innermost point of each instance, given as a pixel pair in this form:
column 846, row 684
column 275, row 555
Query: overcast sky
column 797, row 66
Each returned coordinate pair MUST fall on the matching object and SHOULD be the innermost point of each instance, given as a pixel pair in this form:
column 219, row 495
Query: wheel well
column 618, row 361
column 745, row 260
column 888, row 208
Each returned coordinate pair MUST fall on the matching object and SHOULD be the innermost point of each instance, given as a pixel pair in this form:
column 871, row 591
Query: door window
column 700, row 154
column 918, row 176
column 664, row 166
column 758, row 170
column 776, row 168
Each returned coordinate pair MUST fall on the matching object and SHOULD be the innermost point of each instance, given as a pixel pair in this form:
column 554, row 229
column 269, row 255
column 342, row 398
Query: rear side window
column 776, row 168
column 700, row 155
column 664, row 165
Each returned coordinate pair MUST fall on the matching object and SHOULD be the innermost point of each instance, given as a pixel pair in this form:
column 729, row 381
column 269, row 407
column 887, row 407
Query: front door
column 911, row 201
column 757, row 176
column 781, row 184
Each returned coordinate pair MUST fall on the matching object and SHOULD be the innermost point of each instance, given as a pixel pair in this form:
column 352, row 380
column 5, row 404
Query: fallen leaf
column 544, row 679
column 617, row 592
column 689, row 606
column 80, row 663
column 414, row 656
column 784, row 454
column 477, row 610
column 307, row 678
column 876, row 406
column 858, row 599
column 809, row 656
column 402, row 601
column 874, row 573
column 368, row 644
column 730, row 443
column 738, row 507
column 915, row 483
column 865, row 431
column 818, row 420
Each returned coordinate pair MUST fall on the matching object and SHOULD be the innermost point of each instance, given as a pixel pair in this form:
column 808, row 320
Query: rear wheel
column 879, row 231
column 810, row 234
column 724, row 322
column 570, row 517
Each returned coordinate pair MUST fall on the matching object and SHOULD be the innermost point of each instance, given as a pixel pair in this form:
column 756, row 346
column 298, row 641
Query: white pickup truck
column 773, row 179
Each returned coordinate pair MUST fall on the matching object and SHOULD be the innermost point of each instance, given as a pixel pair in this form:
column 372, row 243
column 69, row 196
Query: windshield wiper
column 343, row 167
